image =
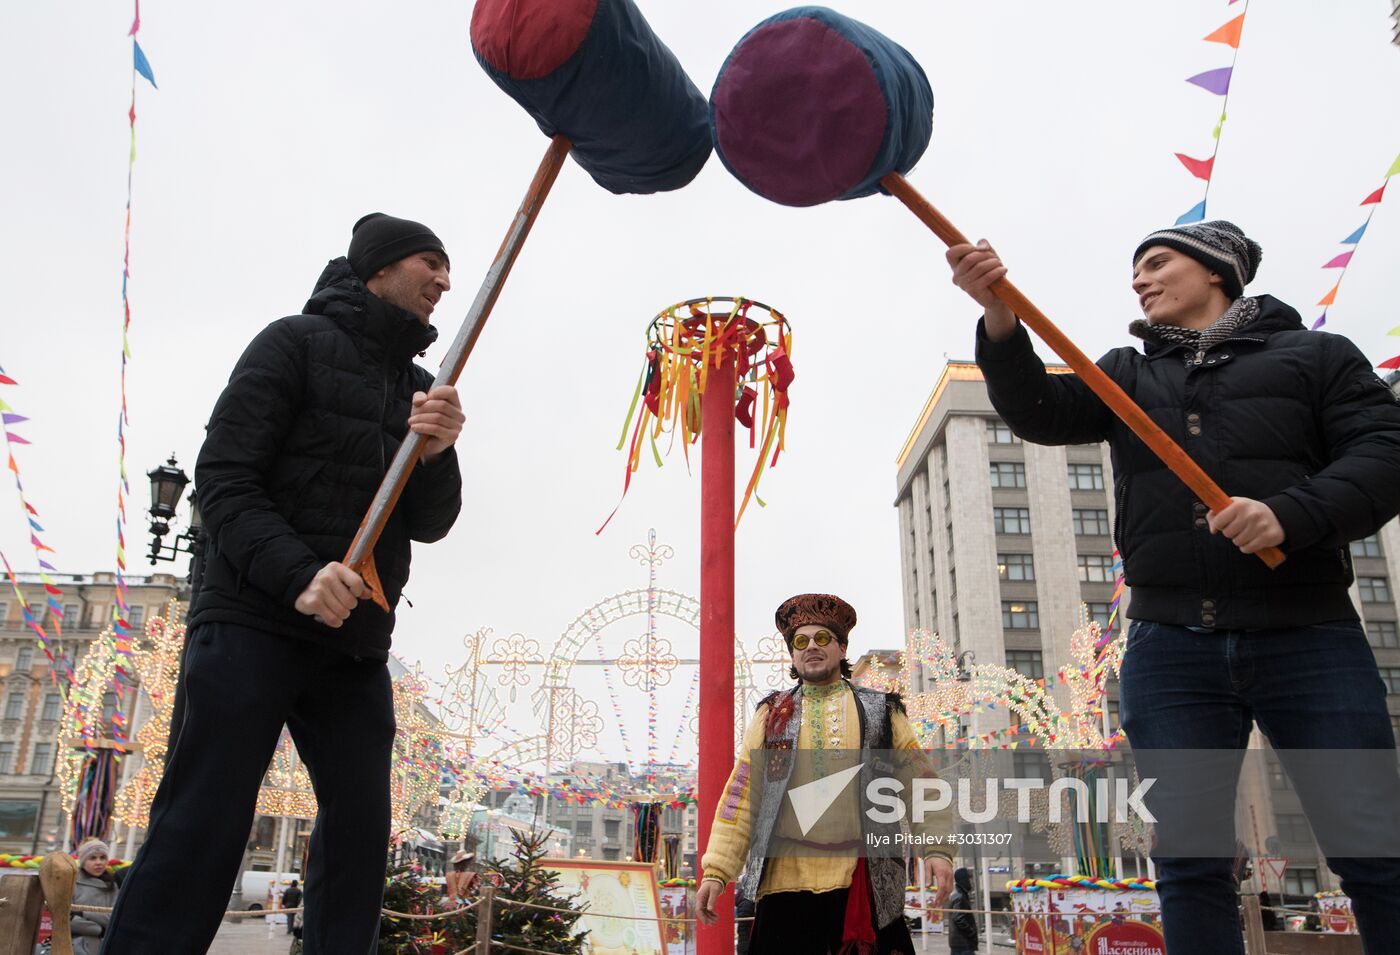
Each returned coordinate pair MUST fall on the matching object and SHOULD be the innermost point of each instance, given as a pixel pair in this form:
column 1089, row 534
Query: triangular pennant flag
column 1229, row 34
column 1390, row 363
column 143, row 65
column 1394, row 331
column 1216, row 81
column 15, row 438
column 1331, row 296
column 1321, row 320
column 1200, row 168
column 1195, row 214
column 7, row 380
column 1375, row 196
column 1340, row 262
column 1355, row 237
column 1394, row 168
column 136, row 24
column 12, row 418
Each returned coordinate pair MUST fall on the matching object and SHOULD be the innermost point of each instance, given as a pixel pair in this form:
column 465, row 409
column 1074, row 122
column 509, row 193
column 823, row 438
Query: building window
column 999, row 433
column 1095, row 569
column 53, row 706
column 1278, row 776
column 610, row 829
column 4, row 613
column 1301, row 881
column 1390, row 676
column 42, row 763
column 1382, row 633
column 1293, row 828
column 1008, row 474
column 136, row 616
column 7, row 758
column 1021, row 615
column 1367, row 547
column 24, row 662
column 1085, row 477
column 584, row 828
column 1092, row 521
column 1374, row 590
column 1030, row 765
column 70, row 613
column 14, row 705
column 1026, row 662
column 1015, row 567
column 610, row 854
column 1011, row 520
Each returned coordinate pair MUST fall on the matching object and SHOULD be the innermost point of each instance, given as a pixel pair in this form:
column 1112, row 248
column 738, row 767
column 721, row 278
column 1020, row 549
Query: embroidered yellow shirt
column 830, row 735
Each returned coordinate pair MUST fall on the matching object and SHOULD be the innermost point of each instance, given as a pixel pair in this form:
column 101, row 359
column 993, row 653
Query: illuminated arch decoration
column 156, row 661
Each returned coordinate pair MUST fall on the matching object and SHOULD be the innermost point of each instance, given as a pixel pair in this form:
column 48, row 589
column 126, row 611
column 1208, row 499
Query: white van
column 256, row 886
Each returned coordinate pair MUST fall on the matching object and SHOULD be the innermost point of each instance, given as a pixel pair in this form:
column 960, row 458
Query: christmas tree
column 526, row 877
column 405, row 890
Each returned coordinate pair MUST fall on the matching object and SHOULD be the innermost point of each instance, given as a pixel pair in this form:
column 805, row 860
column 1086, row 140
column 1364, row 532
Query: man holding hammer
column 1297, row 426
column 280, row 632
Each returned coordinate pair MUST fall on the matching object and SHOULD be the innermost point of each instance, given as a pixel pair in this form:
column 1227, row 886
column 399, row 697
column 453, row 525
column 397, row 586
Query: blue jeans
column 1309, row 688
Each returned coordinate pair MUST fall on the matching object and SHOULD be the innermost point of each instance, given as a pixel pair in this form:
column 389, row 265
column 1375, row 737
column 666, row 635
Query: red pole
column 716, row 620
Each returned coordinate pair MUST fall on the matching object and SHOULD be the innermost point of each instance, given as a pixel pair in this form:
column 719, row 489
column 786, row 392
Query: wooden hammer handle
column 1091, row 374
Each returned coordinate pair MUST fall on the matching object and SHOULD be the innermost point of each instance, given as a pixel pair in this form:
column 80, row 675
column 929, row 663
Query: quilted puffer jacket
column 294, row 451
column 1294, row 418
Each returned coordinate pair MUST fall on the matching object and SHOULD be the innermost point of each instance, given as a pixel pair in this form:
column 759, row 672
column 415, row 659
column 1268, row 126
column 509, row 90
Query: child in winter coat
column 95, row 887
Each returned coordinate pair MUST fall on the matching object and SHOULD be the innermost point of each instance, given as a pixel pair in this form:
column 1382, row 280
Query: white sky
column 277, row 125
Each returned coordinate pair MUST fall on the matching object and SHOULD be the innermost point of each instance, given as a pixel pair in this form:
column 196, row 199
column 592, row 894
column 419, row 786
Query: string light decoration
column 82, row 730
column 952, row 692
column 286, row 790
column 156, row 662
column 419, row 752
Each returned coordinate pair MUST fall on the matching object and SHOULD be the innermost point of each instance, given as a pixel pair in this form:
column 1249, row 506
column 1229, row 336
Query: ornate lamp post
column 168, row 482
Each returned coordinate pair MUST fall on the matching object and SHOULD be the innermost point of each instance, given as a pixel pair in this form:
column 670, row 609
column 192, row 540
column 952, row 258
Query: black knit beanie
column 1218, row 245
column 378, row 240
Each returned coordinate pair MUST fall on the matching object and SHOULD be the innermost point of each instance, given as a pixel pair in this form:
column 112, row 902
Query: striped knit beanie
column 1218, row 245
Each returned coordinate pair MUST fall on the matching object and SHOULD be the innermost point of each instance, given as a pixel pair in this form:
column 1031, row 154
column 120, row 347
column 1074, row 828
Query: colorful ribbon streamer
column 684, row 343
column 1216, row 82
column 53, row 595
column 1343, row 260
column 140, row 66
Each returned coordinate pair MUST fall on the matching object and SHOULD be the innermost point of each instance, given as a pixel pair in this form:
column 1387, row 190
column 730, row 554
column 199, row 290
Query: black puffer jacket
column 1294, row 418
column 295, row 449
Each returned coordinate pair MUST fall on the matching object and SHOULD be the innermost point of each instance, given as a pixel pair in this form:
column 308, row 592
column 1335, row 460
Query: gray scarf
column 1241, row 312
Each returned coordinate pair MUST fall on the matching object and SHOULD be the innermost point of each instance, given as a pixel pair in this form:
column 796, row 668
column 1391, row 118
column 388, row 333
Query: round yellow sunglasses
column 821, row 638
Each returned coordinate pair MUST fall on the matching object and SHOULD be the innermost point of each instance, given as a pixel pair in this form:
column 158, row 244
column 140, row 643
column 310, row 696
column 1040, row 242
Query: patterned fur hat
column 825, row 609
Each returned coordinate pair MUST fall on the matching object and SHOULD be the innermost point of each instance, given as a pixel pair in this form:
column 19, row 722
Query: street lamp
column 168, row 482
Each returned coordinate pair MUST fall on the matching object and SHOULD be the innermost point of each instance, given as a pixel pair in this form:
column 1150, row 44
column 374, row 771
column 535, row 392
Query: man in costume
column 280, row 632
column 1297, row 426
column 816, row 890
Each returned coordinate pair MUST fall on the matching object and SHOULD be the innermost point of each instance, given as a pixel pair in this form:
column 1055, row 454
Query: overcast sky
column 277, row 125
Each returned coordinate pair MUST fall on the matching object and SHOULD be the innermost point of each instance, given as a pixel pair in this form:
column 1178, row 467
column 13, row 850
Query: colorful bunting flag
column 1229, row 34
column 1200, row 168
column 1217, row 82
column 1343, row 261
column 59, row 664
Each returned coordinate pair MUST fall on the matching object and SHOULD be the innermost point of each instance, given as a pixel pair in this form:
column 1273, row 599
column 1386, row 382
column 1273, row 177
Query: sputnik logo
column 810, row 801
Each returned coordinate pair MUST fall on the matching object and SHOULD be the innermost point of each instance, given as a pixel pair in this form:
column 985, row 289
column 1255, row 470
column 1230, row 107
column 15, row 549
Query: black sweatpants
column 240, row 686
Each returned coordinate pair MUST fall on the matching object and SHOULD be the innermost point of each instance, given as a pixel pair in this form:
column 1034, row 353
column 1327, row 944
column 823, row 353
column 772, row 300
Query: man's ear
column 1215, row 279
